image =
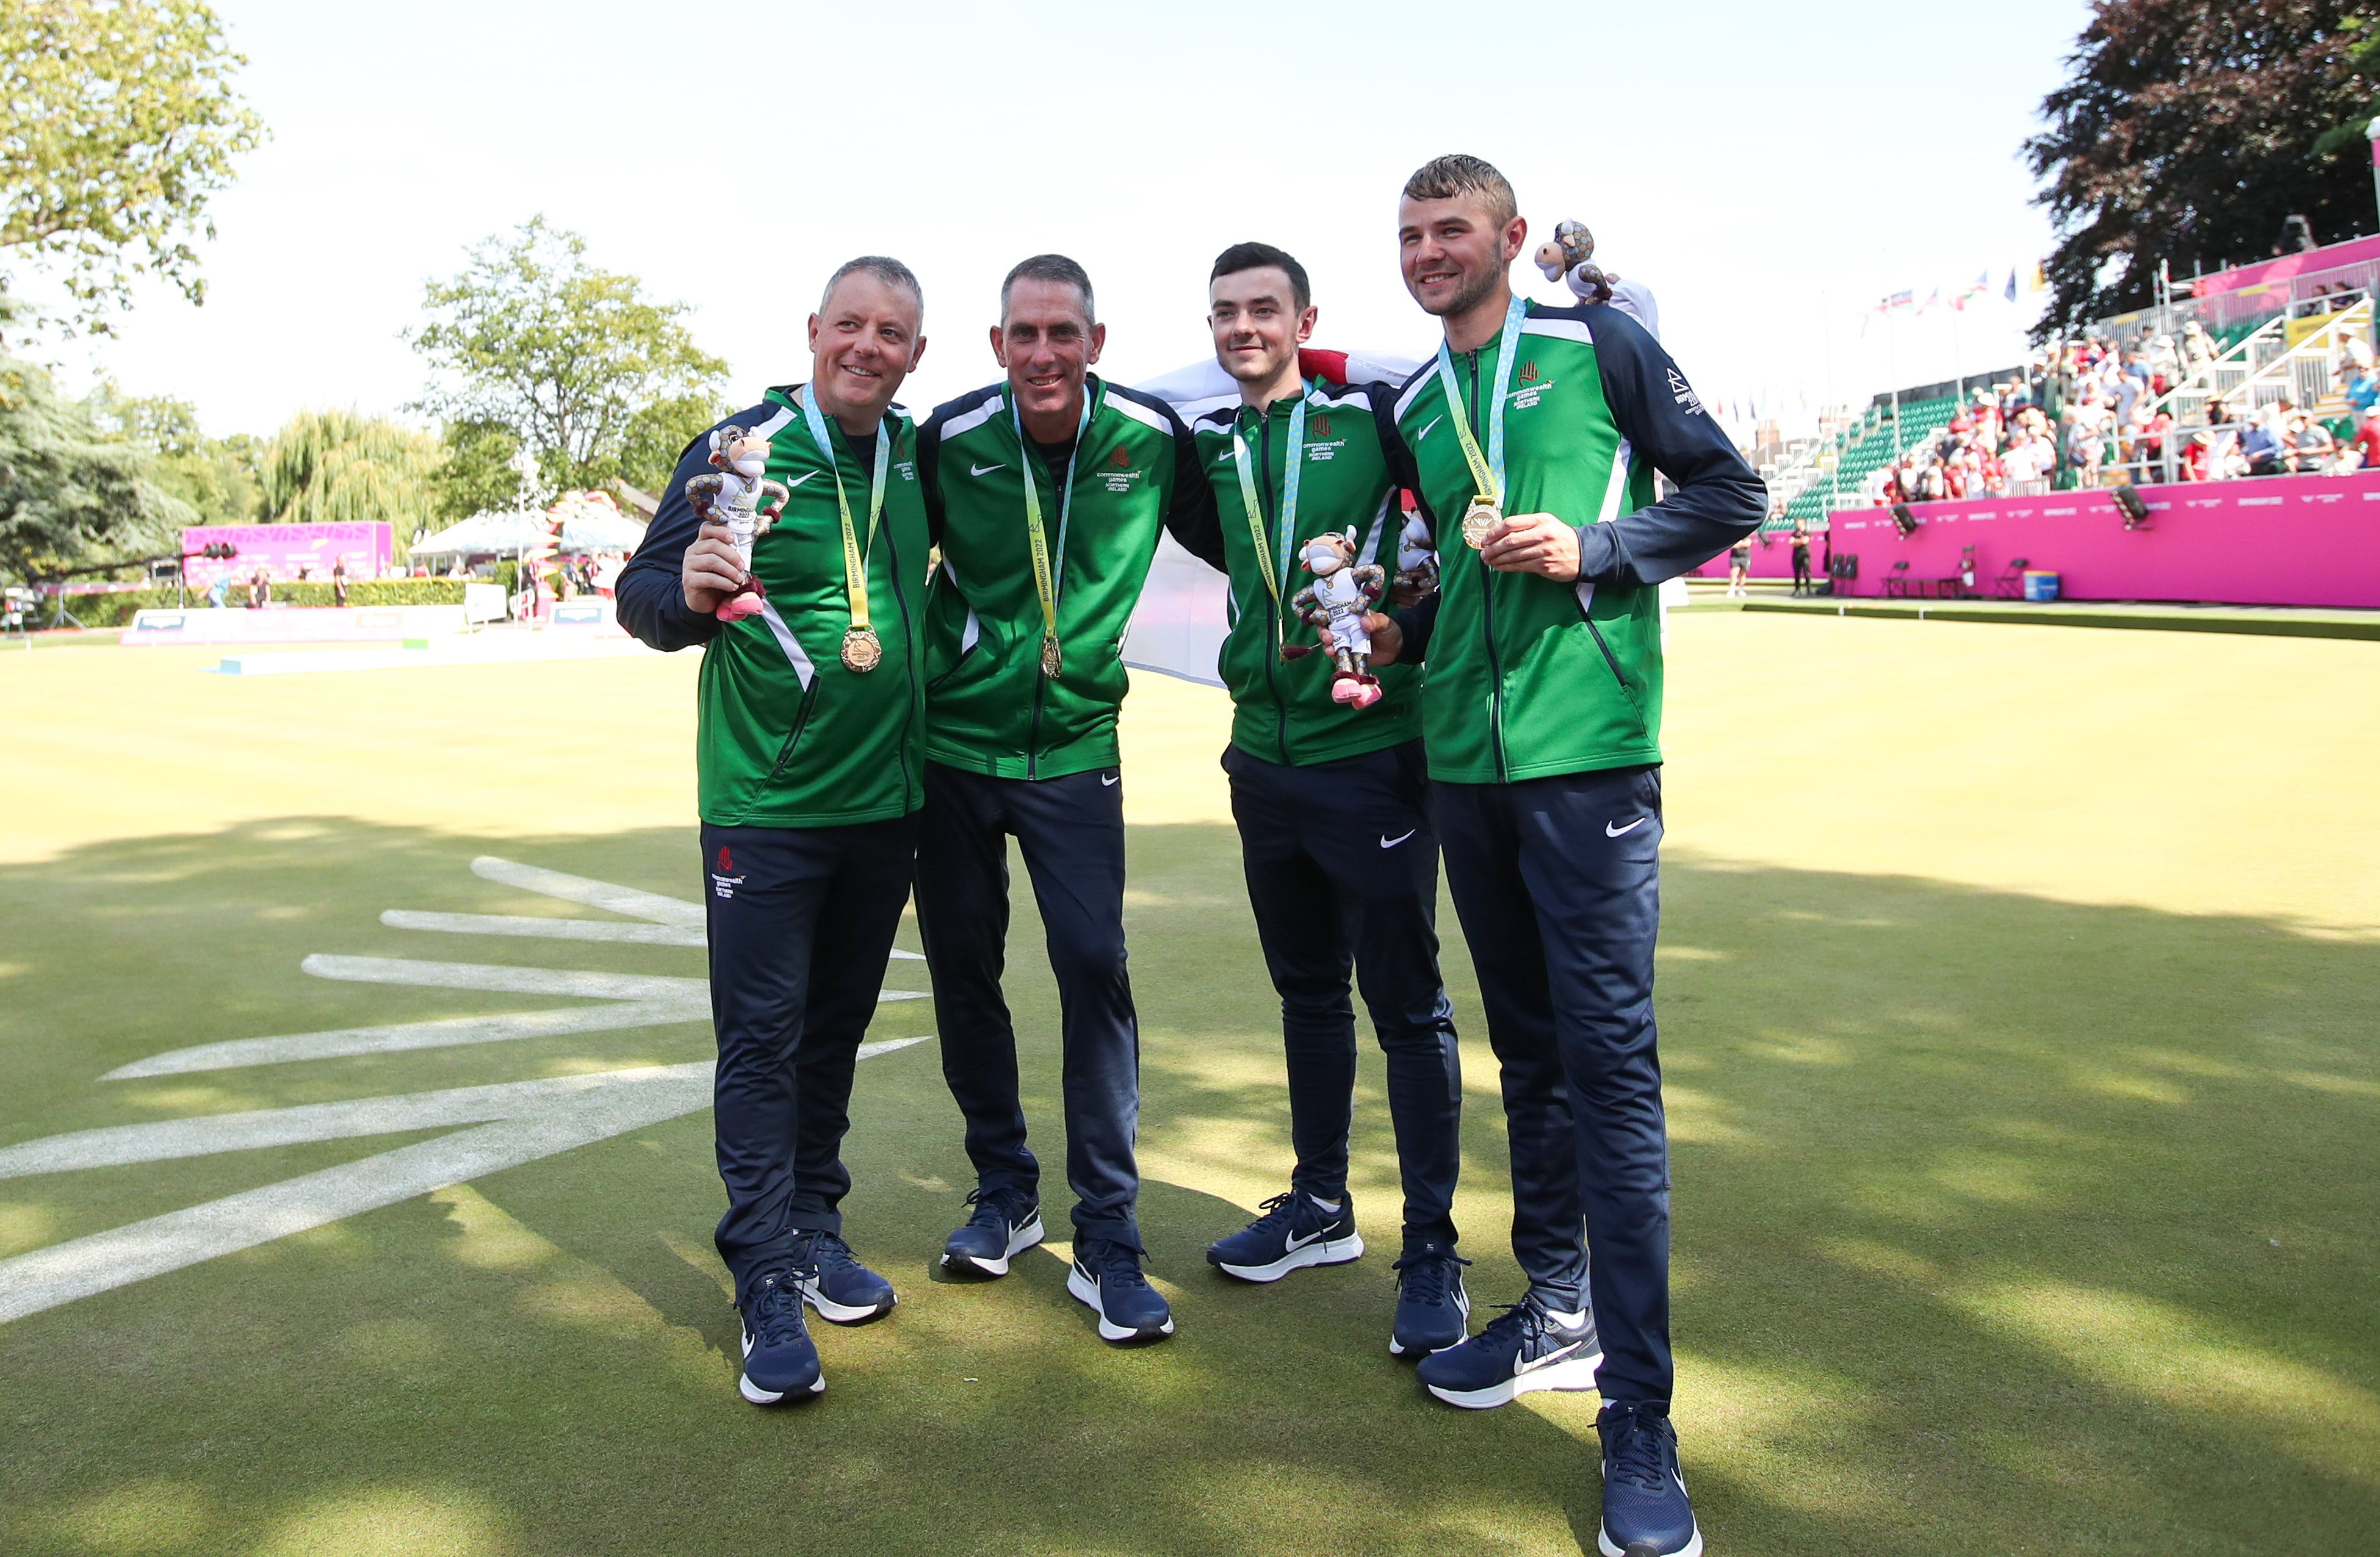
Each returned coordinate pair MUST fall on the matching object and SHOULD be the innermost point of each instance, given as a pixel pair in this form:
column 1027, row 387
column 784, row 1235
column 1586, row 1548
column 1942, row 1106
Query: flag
column 2035, row 281
column 2011, row 292
column 1933, row 301
column 1979, row 287
column 1897, row 303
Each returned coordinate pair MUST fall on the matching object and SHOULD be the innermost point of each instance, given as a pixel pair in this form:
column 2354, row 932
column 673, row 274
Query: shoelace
column 1638, row 1446
column 822, row 1252
column 1118, row 1266
column 1524, row 1316
column 1423, row 1277
column 1276, row 1210
column 994, row 1208
column 774, row 1310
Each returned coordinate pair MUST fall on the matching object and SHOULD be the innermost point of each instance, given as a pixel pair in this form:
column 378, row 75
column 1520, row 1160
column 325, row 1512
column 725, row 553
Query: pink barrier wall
column 282, row 550
column 2282, row 541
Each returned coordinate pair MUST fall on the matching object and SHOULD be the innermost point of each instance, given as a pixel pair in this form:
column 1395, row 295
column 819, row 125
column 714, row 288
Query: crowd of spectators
column 2094, row 413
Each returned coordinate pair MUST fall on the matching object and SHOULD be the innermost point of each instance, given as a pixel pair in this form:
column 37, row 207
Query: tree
column 120, row 121
column 218, row 477
column 73, row 497
column 335, row 467
column 531, row 338
column 478, row 474
column 2189, row 131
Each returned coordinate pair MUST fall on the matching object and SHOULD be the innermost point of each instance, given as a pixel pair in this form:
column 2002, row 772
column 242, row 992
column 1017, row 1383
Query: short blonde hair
column 1442, row 178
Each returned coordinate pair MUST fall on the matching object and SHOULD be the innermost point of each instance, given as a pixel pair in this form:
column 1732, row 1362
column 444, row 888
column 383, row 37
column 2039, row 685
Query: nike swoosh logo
column 1392, row 842
column 1108, row 779
column 1535, row 1363
column 1425, row 427
column 1610, row 831
column 799, row 480
column 974, row 469
column 1293, row 1243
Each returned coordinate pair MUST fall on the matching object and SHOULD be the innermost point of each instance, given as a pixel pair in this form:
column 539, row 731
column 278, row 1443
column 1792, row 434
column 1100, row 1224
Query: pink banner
column 2325, row 258
column 283, row 550
column 2282, row 541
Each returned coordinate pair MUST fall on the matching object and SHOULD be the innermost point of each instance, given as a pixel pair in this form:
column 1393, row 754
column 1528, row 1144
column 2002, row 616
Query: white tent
column 586, row 527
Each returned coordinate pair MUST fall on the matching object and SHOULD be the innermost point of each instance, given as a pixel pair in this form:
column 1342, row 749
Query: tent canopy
column 586, row 526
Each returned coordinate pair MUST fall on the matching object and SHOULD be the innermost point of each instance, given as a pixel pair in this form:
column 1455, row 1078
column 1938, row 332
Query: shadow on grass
column 2001, row 1224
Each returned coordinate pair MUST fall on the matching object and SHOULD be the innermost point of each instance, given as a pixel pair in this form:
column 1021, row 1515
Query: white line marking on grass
column 593, row 894
column 551, row 929
column 512, row 981
column 397, row 1038
column 546, row 1118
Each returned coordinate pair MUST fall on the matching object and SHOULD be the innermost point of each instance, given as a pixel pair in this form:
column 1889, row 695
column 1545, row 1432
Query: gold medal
column 1050, row 662
column 862, row 650
column 1477, row 520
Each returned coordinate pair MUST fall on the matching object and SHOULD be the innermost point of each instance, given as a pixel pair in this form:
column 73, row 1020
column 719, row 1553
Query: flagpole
column 1892, row 360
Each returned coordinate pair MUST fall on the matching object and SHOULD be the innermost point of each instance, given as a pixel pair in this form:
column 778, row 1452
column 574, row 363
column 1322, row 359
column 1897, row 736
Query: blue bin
column 2040, row 586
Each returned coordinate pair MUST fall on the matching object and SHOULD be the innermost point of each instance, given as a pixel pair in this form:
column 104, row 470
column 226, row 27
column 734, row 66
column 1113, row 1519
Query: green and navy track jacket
column 1525, row 677
column 1354, row 465
column 988, row 707
column 786, row 736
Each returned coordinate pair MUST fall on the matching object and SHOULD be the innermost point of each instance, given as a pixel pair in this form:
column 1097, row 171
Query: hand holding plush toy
column 1567, row 256
column 1337, row 599
column 744, row 500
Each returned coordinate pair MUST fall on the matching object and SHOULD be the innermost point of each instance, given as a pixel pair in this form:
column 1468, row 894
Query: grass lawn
column 2021, row 1003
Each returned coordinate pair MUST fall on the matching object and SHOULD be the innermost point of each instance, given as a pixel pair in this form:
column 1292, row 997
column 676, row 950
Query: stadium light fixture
column 1904, row 519
column 2135, row 508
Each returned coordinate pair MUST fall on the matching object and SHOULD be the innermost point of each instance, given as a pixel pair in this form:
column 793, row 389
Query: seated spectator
column 2260, row 448
column 2363, row 451
column 2361, row 386
column 2311, row 446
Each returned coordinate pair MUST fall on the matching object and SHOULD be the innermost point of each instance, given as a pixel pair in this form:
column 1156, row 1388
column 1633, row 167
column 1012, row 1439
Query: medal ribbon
column 1487, row 470
column 1048, row 575
column 1293, row 467
column 854, row 555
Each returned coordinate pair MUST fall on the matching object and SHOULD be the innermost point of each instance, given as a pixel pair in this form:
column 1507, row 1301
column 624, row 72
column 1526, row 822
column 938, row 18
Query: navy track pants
column 1071, row 832
column 1556, row 882
column 801, row 923
column 1342, row 866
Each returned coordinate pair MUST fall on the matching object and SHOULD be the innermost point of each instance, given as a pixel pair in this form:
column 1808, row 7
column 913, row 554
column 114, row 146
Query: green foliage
column 659, row 434
column 121, row 121
column 220, row 478
column 2190, row 133
column 337, row 468
column 116, row 610
column 532, row 338
column 477, row 475
column 72, row 496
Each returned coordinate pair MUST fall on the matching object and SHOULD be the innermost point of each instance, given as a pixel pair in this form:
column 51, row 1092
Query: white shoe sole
column 758, row 1397
column 1570, row 1373
column 1025, row 1237
column 1084, row 1290
column 844, row 1313
column 1692, row 1548
column 1321, row 1251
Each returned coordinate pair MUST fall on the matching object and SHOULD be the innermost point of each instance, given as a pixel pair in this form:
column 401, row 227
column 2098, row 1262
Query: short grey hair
column 1442, row 178
column 1050, row 268
column 889, row 271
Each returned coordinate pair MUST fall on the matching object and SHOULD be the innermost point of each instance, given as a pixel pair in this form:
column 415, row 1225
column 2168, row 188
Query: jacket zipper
column 793, row 736
column 1033, row 731
column 1487, row 614
column 1264, row 495
column 901, row 598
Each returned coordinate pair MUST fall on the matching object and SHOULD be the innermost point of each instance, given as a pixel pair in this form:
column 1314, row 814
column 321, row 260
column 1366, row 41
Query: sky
column 1771, row 172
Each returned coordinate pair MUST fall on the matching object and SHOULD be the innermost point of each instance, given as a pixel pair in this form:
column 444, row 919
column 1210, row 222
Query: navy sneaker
column 837, row 1285
column 779, row 1360
column 1005, row 1222
column 1294, row 1230
column 1433, row 1311
column 1107, row 1279
column 1645, row 1509
column 1522, row 1349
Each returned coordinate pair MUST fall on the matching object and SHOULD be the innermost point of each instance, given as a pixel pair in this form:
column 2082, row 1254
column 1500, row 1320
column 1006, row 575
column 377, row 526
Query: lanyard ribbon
column 1488, row 470
column 854, row 555
column 1048, row 575
column 1292, row 468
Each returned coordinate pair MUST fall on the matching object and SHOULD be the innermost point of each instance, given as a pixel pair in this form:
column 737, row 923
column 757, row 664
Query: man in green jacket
column 808, row 754
column 1047, row 491
column 1535, row 434
column 1341, row 861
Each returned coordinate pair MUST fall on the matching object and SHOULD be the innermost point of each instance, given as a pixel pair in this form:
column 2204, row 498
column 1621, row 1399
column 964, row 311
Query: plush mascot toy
column 1568, row 256
column 744, row 500
column 1417, row 575
column 1337, row 599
